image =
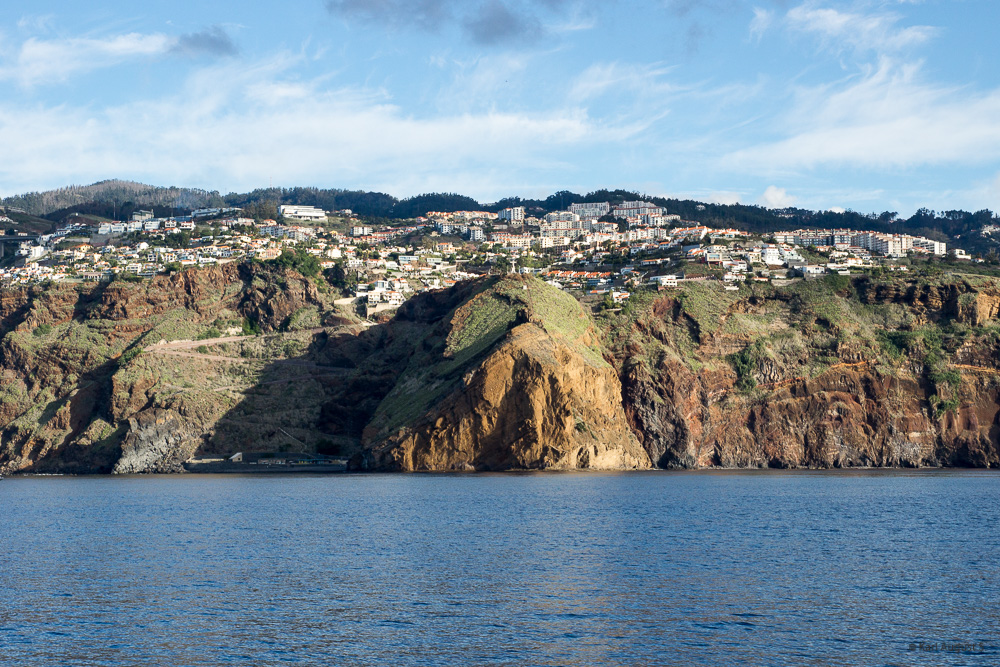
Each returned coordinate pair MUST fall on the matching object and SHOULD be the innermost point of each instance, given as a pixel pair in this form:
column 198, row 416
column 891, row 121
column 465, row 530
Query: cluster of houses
column 574, row 248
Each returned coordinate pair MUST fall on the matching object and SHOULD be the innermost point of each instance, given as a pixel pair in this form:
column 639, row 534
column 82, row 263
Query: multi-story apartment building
column 636, row 209
column 513, row 214
column 591, row 210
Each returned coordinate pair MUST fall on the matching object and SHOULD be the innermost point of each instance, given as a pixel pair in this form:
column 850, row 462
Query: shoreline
column 277, row 471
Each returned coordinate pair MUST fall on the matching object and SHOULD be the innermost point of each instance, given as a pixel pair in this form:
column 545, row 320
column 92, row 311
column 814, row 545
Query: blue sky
column 865, row 104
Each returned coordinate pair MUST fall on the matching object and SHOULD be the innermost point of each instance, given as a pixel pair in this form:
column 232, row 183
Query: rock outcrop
column 533, row 403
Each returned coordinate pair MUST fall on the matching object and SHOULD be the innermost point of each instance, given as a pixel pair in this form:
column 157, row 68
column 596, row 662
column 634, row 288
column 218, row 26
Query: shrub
column 251, row 328
column 745, row 363
column 950, row 377
column 210, row 332
column 129, row 354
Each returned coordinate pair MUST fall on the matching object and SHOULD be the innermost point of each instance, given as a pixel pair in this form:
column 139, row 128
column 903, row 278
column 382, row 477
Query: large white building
column 310, row 213
column 562, row 216
column 591, row 210
column 514, row 214
column 635, row 209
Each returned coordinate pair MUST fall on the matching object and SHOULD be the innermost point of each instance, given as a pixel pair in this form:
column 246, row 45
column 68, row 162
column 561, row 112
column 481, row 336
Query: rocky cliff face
column 81, row 393
column 533, row 403
column 500, row 374
column 905, row 375
column 509, row 377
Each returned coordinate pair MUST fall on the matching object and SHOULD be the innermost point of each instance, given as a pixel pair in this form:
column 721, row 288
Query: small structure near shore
column 266, row 462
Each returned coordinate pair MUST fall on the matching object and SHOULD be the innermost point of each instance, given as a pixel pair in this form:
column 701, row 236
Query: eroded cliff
column 501, row 373
column 512, row 379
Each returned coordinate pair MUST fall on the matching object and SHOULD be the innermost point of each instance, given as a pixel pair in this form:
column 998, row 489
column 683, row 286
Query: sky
column 870, row 105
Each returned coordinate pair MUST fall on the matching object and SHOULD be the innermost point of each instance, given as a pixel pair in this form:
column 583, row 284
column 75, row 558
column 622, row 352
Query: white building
column 664, row 281
column 514, row 214
column 310, row 213
column 927, row 245
column 591, row 210
column 636, row 209
column 561, row 216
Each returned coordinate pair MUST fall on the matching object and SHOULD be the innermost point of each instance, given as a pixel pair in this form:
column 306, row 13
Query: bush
column 950, row 377
column 745, row 363
column 42, row 330
column 304, row 262
column 837, row 282
column 129, row 354
column 251, row 328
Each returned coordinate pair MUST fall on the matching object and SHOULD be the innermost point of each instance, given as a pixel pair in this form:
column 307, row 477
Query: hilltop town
column 598, row 247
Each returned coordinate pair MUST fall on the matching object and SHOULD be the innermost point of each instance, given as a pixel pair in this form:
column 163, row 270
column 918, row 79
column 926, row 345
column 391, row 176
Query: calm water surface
column 549, row 569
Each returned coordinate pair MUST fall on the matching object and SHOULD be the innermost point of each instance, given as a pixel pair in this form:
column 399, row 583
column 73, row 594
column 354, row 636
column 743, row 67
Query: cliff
column 513, row 378
column 86, row 389
column 501, row 374
column 894, row 374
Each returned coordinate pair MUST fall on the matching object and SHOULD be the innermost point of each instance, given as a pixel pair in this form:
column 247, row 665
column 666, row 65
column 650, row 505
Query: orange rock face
column 533, row 403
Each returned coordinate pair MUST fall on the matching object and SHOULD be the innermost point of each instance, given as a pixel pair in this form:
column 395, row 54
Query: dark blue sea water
column 758, row 568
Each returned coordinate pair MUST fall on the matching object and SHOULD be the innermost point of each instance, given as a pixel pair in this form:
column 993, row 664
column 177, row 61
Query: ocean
column 658, row 568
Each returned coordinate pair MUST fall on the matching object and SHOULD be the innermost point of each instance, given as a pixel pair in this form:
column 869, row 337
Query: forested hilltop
column 118, row 199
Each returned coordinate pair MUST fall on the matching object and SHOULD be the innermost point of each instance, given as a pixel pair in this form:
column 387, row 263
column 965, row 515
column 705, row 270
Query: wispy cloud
column 36, row 23
column 48, row 61
column 887, row 117
column 762, row 19
column 876, row 31
column 640, row 80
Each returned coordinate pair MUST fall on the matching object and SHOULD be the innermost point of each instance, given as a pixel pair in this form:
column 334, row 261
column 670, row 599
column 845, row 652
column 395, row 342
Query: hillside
column 501, row 373
column 119, row 191
column 117, row 198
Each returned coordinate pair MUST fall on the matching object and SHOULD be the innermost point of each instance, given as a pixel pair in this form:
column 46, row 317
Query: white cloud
column 888, row 117
column 875, row 32
column 775, row 197
column 52, row 61
column 762, row 19
column 233, row 127
column 837, row 209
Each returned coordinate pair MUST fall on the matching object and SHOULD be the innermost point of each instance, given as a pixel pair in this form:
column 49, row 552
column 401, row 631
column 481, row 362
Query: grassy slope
column 800, row 330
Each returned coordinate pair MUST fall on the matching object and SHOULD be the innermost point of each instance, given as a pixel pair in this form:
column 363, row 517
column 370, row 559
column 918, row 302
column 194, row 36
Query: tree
column 304, row 262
